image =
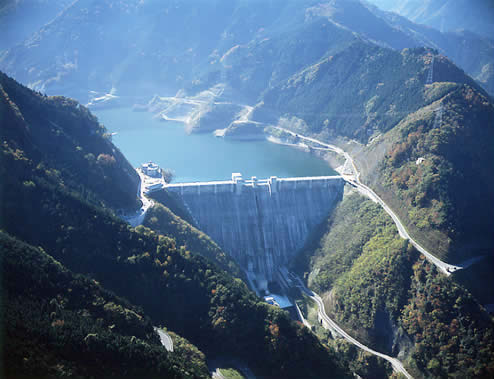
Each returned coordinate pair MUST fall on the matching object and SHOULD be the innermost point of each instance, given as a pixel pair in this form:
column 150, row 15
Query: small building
column 151, row 169
column 278, row 300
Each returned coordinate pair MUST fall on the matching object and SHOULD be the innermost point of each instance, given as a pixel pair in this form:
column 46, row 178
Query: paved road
column 216, row 365
column 216, row 374
column 138, row 218
column 397, row 365
column 165, row 339
column 354, row 180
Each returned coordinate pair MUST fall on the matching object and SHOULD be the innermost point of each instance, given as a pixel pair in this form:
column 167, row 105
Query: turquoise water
column 201, row 157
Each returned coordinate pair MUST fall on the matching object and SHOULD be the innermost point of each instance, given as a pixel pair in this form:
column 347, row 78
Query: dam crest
column 260, row 223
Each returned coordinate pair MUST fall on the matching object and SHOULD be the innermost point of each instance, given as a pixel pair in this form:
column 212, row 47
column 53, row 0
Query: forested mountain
column 136, row 49
column 366, row 102
column 58, row 324
column 380, row 289
column 172, row 285
column 444, row 192
column 64, row 142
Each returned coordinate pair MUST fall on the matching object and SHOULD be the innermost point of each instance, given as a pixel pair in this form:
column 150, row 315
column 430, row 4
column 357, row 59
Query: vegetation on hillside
column 162, row 220
column 342, row 241
column 57, row 324
column 453, row 336
column 380, row 289
column 439, row 171
column 62, row 138
column 364, row 99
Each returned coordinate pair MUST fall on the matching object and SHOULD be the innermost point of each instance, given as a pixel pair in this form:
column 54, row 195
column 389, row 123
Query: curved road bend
column 165, row 339
column 397, row 365
column 354, row 180
column 138, row 218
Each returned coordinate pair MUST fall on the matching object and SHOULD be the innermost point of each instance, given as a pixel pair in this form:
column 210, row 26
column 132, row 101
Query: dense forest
column 59, row 324
column 162, row 220
column 444, row 192
column 65, row 143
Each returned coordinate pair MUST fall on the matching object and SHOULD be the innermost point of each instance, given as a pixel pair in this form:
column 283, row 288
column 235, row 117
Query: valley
column 324, row 204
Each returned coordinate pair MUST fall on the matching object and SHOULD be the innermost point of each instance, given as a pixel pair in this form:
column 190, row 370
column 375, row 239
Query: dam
column 261, row 223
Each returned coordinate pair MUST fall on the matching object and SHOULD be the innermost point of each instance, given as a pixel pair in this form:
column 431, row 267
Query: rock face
column 261, row 224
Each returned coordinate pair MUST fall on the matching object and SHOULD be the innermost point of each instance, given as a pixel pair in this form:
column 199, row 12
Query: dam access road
column 328, row 323
column 138, row 217
column 354, row 180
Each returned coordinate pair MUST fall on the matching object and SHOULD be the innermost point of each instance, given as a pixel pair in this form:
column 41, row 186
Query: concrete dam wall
column 260, row 223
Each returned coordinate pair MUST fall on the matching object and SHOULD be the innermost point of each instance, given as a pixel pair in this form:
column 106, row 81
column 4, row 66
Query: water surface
column 202, row 157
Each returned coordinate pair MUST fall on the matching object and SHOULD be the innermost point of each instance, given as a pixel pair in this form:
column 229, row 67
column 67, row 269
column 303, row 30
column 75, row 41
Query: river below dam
column 203, row 157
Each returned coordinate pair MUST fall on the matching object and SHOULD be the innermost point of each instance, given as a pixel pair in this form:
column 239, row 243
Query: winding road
column 138, row 218
column 397, row 365
column 165, row 339
column 354, row 180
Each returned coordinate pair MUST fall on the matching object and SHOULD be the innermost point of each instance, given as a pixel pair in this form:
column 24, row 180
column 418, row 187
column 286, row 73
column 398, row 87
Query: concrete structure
column 237, row 184
column 152, row 186
column 278, row 300
column 151, row 169
column 261, row 223
column 151, row 178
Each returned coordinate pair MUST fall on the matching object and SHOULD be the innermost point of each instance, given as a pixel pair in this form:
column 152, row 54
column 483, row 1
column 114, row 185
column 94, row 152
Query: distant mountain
column 446, row 15
column 471, row 52
column 21, row 18
column 137, row 49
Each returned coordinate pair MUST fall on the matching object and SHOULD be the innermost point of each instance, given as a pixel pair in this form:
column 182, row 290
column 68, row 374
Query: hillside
column 58, row 324
column 173, row 286
column 365, row 103
column 443, row 192
column 386, row 294
column 61, row 140
column 162, row 220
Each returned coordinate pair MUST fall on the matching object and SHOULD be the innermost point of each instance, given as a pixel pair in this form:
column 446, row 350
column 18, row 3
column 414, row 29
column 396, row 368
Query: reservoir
column 203, row 157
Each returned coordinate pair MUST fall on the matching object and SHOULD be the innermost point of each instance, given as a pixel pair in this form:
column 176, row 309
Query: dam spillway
column 260, row 223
